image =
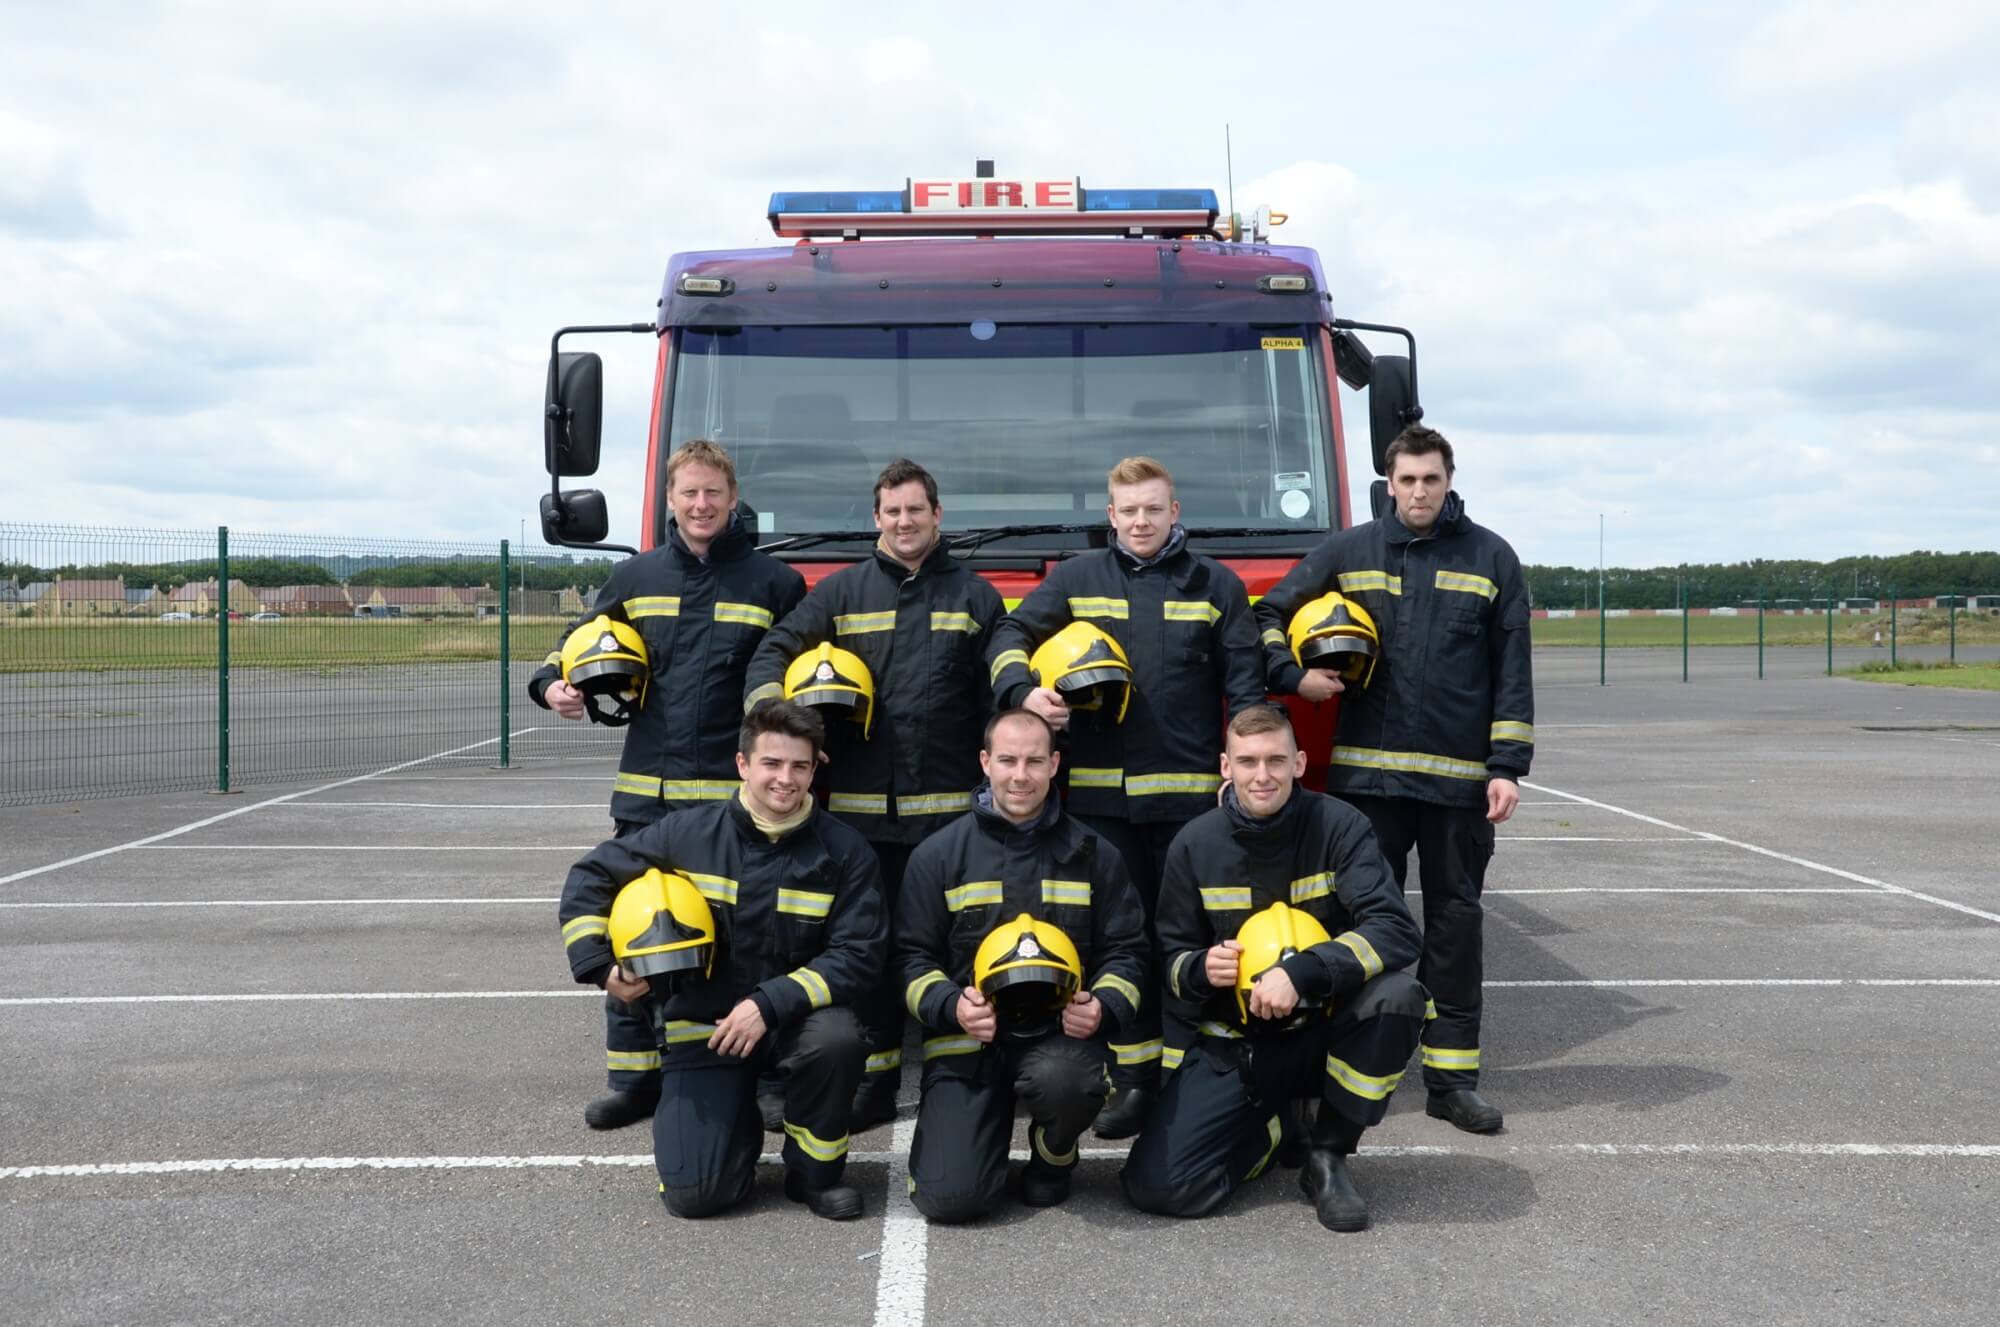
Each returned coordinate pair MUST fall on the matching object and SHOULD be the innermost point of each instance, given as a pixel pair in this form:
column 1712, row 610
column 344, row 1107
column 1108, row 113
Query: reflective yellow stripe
column 554, row 659
column 933, row 804
column 1211, row 1028
column 1217, row 898
column 1366, row 1086
column 1138, row 1052
column 1005, row 657
column 1120, row 985
column 1430, row 1010
column 769, row 691
column 653, row 605
column 1507, row 730
column 1066, row 891
column 1178, row 967
column 679, row 1030
column 1079, row 777
column 714, row 888
column 1273, row 636
column 1352, row 582
column 748, row 615
column 972, row 895
column 863, row 624
column 1357, row 943
column 1170, row 1058
column 815, row 986
column 632, row 1061
column 1042, row 1149
column 804, row 902
column 1099, row 606
column 819, row 1149
column 1469, row 583
column 581, row 928
column 954, row 622
column 938, row 1047
column 1409, row 762
column 1317, row 885
column 1153, row 785
column 639, row 785
column 1277, row 1132
column 882, row 1061
column 1195, row 610
column 914, row 992
column 699, row 790
column 858, row 804
column 1439, row 1057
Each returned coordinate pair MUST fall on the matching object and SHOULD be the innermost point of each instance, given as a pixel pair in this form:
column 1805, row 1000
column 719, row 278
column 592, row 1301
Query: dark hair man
column 701, row 602
column 1432, row 749
column 920, row 621
column 1015, row 858
column 1183, row 623
column 1235, row 1098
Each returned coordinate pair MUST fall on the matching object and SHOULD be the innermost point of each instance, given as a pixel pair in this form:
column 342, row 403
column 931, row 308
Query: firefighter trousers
column 631, row 1042
column 883, row 1017
column 1454, row 844
column 1136, row 1055
column 958, row 1156
column 707, row 1132
column 1223, row 1113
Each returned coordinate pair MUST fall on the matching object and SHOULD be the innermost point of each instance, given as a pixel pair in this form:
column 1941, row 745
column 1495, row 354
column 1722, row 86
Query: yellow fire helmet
column 833, row 680
column 1336, row 633
column 662, row 930
column 1029, row 970
column 1087, row 668
column 1268, row 939
column 606, row 661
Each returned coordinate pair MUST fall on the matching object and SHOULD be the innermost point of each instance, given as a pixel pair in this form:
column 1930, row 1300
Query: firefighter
column 919, row 621
column 1288, row 1018
column 1136, row 774
column 1020, row 944
column 1431, row 749
column 701, row 602
column 799, row 933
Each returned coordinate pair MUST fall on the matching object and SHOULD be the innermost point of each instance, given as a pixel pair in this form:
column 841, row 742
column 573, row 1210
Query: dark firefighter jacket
column 982, row 870
column 1185, row 625
column 1452, row 702
column 1319, row 855
column 799, row 923
column 923, row 635
column 701, row 618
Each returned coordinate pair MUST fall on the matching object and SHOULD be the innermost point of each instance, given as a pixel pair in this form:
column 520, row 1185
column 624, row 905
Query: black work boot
column 872, row 1106
column 1125, row 1114
column 1330, row 1189
column 771, row 1106
column 1043, row 1182
column 1466, row 1110
column 622, row 1107
column 1298, row 1128
column 836, row 1202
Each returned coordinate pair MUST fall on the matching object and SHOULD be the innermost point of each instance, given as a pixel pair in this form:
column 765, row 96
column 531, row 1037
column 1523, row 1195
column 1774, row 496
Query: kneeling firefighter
column 1021, row 945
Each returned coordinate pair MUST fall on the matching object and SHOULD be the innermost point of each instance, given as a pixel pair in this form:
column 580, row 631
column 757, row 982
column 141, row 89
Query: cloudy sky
column 1727, row 275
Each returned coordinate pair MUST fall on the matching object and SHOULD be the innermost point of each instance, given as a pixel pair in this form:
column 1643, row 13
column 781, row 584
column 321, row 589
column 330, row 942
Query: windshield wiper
column 815, row 539
column 970, row 542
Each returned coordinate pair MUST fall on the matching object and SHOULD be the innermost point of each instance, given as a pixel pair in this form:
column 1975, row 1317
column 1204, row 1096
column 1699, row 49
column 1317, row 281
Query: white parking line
column 1593, row 838
column 242, row 810
column 463, row 806
column 1751, row 981
column 292, row 902
column 1684, row 889
column 1807, row 863
column 900, row 1276
column 893, row 1299
column 365, row 847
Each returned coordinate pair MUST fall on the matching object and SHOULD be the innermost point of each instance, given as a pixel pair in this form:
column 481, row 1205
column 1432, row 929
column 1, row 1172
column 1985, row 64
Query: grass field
column 35, row 647
column 1913, row 627
column 1971, row 677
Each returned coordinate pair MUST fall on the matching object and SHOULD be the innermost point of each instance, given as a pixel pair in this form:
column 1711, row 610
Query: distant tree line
column 1725, row 584
column 459, row 573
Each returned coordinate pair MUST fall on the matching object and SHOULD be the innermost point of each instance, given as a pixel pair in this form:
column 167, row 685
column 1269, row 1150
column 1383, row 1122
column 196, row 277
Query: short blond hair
column 1262, row 719
column 700, row 451
column 1137, row 470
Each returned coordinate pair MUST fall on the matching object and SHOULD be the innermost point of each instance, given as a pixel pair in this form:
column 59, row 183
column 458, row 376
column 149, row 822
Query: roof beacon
column 990, row 206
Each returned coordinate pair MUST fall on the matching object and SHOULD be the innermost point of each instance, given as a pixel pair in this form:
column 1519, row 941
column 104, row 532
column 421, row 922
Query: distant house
column 66, row 598
column 306, row 600
column 144, row 601
column 419, row 600
column 203, row 600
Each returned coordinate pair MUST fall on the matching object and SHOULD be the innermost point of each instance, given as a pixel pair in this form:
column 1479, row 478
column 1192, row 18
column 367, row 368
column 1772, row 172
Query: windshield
column 1018, row 422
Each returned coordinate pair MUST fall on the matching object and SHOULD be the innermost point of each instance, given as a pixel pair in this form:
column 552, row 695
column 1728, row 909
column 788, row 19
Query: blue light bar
column 986, row 206
column 822, row 203
column 1150, row 200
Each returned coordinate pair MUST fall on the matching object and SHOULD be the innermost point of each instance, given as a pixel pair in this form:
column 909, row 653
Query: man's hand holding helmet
column 1274, row 996
column 975, row 1013
column 1049, row 704
column 565, row 700
column 1082, row 1016
column 1220, row 964
column 1318, row 684
column 622, row 985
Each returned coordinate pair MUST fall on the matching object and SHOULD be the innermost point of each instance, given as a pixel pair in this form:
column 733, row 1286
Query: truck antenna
column 1229, row 168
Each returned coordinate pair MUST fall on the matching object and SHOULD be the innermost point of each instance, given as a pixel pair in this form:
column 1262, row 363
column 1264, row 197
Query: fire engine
column 1016, row 337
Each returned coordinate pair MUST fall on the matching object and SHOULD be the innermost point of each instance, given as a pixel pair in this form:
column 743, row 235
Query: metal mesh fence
column 158, row 660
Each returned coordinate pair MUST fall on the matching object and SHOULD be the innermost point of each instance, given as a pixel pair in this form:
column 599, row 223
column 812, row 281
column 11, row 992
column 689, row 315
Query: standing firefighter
column 1021, row 946
column 1432, row 744
column 913, row 624
column 794, row 916
column 699, row 605
column 1284, row 935
column 1141, row 754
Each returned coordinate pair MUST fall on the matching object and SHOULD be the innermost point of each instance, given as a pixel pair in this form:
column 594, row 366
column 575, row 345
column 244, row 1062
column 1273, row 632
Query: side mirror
column 1352, row 359
column 577, row 517
column 1392, row 404
column 573, row 412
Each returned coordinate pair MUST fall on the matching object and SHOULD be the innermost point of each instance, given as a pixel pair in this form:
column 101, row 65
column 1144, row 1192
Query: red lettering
column 965, row 193
column 1055, row 193
column 924, row 193
column 1001, row 193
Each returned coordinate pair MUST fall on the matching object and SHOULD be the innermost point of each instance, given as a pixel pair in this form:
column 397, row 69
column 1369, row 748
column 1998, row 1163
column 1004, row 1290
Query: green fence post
column 506, row 655
column 1892, row 627
column 222, row 660
column 1954, row 628
column 1829, row 629
column 1684, row 628
column 1760, row 632
column 1601, row 620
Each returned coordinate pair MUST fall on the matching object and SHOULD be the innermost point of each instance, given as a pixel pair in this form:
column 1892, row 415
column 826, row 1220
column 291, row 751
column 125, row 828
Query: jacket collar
column 1243, row 825
column 1064, row 832
column 1176, row 561
column 939, row 559
column 1451, row 519
column 739, row 815
column 734, row 542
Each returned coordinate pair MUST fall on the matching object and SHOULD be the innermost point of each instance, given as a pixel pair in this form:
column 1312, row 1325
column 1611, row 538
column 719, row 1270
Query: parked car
column 177, row 617
column 235, row 616
column 267, row 617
